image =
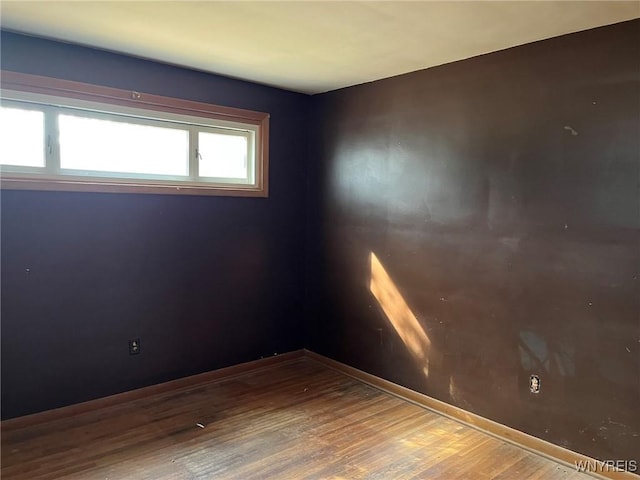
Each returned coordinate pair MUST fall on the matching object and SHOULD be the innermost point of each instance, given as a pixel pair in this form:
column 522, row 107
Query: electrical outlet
column 134, row 346
column 534, row 384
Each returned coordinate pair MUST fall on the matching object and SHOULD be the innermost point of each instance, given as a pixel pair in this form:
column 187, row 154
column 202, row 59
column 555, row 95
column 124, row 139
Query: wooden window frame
column 35, row 84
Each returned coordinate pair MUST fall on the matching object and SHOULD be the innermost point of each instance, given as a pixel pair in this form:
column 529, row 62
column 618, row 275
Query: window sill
column 16, row 182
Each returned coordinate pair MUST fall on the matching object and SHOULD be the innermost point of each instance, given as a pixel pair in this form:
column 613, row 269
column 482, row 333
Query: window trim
column 108, row 96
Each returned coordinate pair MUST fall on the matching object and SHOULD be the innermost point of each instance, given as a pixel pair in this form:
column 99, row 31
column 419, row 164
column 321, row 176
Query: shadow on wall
column 539, row 355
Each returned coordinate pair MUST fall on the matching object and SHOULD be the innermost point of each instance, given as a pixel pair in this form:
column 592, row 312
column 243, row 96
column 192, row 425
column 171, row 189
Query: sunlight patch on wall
column 399, row 314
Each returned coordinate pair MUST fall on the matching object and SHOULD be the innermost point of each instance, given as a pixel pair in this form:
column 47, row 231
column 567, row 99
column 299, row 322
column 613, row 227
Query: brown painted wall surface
column 478, row 223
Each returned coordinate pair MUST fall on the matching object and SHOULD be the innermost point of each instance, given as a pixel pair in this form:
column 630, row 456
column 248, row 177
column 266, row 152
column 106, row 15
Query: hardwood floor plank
column 295, row 420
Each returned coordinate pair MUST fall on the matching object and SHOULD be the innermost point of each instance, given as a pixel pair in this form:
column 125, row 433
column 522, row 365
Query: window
column 61, row 135
column 21, row 137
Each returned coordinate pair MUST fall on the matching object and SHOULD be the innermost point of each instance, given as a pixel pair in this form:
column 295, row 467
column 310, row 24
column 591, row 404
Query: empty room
column 320, row 240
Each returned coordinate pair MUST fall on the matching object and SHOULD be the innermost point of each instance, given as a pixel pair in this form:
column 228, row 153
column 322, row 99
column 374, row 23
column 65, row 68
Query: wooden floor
column 298, row 420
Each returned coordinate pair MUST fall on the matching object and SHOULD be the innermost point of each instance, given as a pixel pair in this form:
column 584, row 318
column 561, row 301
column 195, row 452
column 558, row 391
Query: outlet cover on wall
column 134, row 346
column 534, row 384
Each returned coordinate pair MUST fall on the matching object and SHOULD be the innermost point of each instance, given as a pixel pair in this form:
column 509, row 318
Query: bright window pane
column 222, row 156
column 21, row 137
column 109, row 146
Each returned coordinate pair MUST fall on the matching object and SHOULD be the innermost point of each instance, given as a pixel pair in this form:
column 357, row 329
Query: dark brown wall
column 501, row 196
column 204, row 282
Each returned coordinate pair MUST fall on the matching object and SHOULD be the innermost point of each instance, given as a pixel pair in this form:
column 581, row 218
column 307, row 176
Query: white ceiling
column 312, row 46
